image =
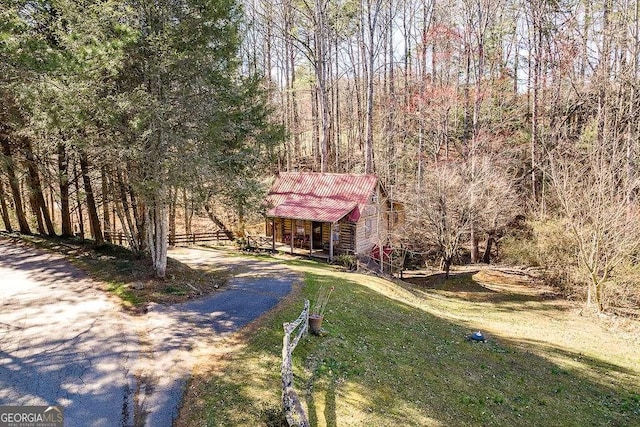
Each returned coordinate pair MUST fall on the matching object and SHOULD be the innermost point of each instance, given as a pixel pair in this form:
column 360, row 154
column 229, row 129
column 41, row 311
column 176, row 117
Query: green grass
column 125, row 293
column 397, row 355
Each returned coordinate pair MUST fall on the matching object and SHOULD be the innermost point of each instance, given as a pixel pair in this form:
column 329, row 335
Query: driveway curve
column 63, row 341
column 175, row 333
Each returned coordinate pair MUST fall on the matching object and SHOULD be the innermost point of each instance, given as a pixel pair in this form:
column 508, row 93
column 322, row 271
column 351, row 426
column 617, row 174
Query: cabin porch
column 315, row 239
column 268, row 244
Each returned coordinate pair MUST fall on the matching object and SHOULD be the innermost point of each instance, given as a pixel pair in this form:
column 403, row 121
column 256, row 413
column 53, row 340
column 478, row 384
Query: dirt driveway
column 63, row 341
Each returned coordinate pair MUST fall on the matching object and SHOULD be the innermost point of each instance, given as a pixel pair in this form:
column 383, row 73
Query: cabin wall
column 372, row 227
column 326, row 232
column 347, row 241
column 284, row 227
column 277, row 227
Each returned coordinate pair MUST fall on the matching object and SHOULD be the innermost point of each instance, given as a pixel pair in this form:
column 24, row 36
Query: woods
column 475, row 114
column 106, row 103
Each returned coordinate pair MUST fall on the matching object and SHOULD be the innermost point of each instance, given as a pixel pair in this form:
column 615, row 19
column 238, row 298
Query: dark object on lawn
column 476, row 337
column 315, row 323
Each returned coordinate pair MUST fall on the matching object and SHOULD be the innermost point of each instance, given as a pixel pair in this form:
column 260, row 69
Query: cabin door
column 317, row 235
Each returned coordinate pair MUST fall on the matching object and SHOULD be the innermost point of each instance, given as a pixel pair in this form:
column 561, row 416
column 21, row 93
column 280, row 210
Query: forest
column 505, row 128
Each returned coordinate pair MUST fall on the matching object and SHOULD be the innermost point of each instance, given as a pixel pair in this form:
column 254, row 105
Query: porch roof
column 322, row 197
column 313, row 209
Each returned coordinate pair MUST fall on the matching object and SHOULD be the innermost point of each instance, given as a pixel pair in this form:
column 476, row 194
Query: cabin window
column 299, row 227
column 368, row 227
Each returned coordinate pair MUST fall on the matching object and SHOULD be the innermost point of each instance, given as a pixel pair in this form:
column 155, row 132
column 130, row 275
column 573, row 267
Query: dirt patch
column 485, row 285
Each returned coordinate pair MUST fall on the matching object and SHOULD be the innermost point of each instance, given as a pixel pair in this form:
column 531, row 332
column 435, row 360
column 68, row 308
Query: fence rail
column 217, row 236
column 258, row 242
column 176, row 240
column 391, row 264
column 293, row 410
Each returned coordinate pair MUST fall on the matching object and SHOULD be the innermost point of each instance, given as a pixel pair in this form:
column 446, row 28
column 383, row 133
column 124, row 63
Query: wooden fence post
column 292, row 407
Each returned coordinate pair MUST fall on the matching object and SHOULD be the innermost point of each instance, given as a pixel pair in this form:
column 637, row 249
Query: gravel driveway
column 65, row 342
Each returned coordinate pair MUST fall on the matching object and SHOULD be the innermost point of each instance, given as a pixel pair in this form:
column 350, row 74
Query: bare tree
column 593, row 196
column 440, row 212
column 448, row 203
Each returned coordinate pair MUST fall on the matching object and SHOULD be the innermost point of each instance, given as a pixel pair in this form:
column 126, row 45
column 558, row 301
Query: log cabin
column 329, row 214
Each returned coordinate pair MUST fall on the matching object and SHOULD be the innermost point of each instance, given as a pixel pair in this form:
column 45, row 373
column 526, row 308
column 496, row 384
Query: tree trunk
column 475, row 241
column 599, row 297
column 5, row 209
column 219, row 223
column 23, row 224
column 372, row 13
column 121, row 208
column 321, row 63
column 138, row 209
column 173, row 197
column 157, row 224
column 124, row 211
column 76, row 180
column 37, row 198
column 537, row 67
column 52, row 203
column 63, row 183
column 315, row 135
column 445, row 264
column 105, row 204
column 188, row 212
column 486, row 257
column 94, row 219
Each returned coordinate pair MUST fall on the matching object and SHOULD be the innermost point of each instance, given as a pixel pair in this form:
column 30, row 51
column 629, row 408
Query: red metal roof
column 322, row 197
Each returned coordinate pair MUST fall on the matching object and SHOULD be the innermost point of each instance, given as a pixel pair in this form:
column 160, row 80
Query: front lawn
column 398, row 355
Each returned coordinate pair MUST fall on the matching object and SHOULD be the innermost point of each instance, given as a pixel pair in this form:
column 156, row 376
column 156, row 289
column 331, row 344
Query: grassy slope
column 397, row 355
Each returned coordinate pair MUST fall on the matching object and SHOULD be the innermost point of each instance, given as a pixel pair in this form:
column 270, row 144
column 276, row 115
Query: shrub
column 348, row 261
column 550, row 245
column 624, row 292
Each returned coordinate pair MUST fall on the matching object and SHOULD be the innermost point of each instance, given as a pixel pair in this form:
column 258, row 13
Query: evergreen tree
column 192, row 116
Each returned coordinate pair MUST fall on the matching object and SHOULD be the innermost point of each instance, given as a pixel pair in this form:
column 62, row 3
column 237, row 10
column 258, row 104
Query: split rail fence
column 214, row 236
column 177, row 240
column 259, row 242
column 291, row 405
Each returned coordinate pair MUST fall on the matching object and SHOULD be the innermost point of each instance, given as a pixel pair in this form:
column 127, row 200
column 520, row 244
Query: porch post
column 311, row 240
column 273, row 234
column 292, row 235
column 331, row 242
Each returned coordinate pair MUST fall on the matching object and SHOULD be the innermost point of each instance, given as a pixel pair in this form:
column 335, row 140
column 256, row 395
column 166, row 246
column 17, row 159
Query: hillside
column 397, row 354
